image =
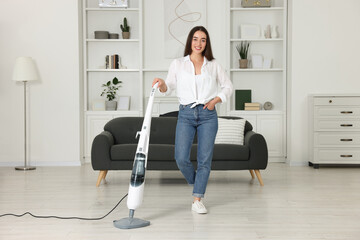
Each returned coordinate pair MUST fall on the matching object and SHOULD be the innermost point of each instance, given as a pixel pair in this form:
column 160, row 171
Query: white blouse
column 181, row 76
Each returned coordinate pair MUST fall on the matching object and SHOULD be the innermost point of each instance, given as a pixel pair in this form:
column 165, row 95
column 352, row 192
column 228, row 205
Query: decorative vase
column 125, row 35
column 243, row 63
column 110, row 105
column 274, row 32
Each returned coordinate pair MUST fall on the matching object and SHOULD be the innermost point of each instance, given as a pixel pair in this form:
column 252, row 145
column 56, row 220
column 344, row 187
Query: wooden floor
column 295, row 203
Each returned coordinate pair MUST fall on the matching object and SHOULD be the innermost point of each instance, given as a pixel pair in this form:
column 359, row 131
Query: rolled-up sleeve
column 170, row 79
column 225, row 84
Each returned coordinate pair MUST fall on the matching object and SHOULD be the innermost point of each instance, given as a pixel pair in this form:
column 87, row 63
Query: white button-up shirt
column 181, row 76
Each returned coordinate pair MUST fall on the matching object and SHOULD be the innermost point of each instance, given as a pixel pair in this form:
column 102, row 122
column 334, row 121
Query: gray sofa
column 114, row 148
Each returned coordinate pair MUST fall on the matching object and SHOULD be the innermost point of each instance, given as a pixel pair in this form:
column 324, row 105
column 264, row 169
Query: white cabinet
column 272, row 127
column 334, row 129
column 266, row 84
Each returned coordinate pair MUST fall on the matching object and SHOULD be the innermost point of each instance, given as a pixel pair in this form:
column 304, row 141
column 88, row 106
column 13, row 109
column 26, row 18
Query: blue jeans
column 205, row 123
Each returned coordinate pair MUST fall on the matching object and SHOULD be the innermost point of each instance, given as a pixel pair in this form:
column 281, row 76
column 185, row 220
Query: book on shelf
column 252, row 104
column 252, row 108
column 242, row 96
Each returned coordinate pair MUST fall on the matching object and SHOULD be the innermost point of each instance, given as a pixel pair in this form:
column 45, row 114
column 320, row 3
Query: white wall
column 324, row 58
column 47, row 31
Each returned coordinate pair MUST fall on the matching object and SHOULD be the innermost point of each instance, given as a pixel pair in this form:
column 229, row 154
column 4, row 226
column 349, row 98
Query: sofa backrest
column 124, row 129
column 163, row 129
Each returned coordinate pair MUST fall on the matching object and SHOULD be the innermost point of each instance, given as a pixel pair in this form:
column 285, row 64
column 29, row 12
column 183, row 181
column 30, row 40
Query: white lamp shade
column 25, row 69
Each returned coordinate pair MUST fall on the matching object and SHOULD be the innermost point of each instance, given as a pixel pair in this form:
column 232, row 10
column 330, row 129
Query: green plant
column 243, row 49
column 125, row 27
column 110, row 89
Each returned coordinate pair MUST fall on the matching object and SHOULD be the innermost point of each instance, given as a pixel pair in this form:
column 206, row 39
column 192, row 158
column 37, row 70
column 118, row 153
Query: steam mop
column 137, row 181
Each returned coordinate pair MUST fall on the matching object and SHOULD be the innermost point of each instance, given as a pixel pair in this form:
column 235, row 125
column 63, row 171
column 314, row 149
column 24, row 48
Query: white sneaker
column 198, row 207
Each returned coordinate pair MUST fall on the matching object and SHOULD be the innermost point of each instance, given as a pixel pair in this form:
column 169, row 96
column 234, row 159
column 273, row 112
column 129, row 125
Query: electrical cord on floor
column 79, row 218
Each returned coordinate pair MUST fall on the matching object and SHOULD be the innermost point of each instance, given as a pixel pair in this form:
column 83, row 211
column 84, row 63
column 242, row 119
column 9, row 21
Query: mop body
column 137, row 181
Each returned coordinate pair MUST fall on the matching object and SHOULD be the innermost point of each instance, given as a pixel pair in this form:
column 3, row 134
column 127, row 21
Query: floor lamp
column 24, row 71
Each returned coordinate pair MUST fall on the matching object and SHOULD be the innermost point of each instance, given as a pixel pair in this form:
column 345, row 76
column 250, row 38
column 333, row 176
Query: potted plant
column 243, row 49
column 125, row 29
column 110, row 92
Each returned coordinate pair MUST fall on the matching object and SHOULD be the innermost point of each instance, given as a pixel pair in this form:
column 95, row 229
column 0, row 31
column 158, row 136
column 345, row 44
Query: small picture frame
column 250, row 31
column 113, row 3
column 267, row 63
column 123, row 103
column 98, row 105
column 256, row 61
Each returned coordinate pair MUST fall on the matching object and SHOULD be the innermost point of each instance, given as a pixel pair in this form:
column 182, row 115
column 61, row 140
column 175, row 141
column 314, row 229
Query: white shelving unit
column 94, row 72
column 265, row 84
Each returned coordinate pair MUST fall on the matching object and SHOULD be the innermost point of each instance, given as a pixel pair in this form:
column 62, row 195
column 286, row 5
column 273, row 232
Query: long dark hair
column 207, row 51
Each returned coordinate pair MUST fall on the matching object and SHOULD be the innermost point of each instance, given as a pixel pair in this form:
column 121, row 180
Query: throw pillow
column 230, row 131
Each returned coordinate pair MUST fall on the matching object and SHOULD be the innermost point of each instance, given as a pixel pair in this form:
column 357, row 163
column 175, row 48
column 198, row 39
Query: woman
column 196, row 78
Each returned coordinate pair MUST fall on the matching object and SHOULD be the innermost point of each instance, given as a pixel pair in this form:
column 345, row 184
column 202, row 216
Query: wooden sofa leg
column 106, row 171
column 257, row 172
column 102, row 175
column 252, row 173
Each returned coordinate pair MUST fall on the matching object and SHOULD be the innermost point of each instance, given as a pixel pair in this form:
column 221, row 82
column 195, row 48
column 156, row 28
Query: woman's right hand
column 162, row 86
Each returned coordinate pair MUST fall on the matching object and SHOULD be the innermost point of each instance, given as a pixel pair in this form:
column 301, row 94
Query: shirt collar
column 187, row 58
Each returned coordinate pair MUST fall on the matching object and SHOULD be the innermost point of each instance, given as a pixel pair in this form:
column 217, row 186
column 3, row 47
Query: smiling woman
column 196, row 78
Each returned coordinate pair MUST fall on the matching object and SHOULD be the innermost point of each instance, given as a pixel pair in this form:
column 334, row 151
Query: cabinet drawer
column 338, row 139
column 344, row 155
column 328, row 111
column 337, row 101
column 336, row 125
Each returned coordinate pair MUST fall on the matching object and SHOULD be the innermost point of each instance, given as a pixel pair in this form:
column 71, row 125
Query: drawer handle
column 346, row 140
column 346, row 112
column 346, row 125
column 346, row 156
column 330, row 101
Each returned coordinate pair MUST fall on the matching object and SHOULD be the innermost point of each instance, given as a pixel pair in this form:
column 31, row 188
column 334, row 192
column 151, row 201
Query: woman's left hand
column 211, row 104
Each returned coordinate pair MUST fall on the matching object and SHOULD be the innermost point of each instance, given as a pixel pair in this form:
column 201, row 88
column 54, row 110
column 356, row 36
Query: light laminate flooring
column 295, row 203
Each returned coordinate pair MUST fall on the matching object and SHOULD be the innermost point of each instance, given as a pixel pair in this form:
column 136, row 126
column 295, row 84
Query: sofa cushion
column 167, row 152
column 156, row 152
column 230, row 131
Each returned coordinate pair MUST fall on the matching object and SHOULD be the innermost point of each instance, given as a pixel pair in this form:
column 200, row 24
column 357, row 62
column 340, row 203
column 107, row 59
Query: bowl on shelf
column 113, row 35
column 101, row 34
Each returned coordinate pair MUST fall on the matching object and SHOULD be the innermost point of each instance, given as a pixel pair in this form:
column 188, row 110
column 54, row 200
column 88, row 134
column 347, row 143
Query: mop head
column 128, row 223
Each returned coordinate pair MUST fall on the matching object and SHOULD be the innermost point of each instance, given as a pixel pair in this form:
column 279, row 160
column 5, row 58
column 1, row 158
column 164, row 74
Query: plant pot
column 110, row 105
column 243, row 63
column 125, row 35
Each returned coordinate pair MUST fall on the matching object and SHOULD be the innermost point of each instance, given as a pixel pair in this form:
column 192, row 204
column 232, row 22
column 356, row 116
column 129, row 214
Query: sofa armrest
column 100, row 151
column 258, row 158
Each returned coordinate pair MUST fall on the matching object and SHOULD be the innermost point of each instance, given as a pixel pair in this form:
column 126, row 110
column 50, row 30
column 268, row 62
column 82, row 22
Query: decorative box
column 113, row 3
column 255, row 3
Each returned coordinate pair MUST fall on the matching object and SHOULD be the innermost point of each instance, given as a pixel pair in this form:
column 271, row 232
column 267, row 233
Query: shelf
column 112, row 70
column 256, row 70
column 112, row 40
column 257, row 9
column 260, row 112
column 257, row 39
column 122, row 112
column 111, row 9
column 155, row 70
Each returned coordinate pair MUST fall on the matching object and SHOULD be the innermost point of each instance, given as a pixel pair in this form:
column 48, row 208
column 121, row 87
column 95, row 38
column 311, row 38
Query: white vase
column 274, row 32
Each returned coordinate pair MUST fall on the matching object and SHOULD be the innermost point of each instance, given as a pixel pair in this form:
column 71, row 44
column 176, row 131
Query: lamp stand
column 25, row 167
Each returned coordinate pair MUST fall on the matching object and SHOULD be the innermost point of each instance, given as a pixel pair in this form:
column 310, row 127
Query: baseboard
column 41, row 164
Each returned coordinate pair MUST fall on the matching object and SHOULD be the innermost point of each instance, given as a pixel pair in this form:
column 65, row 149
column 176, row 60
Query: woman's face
column 198, row 43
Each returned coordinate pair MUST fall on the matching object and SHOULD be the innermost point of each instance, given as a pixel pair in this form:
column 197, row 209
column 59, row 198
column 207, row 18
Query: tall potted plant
column 243, row 49
column 110, row 89
column 125, row 29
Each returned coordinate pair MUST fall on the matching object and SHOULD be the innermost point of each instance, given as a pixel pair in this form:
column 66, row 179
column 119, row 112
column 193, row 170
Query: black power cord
column 79, row 218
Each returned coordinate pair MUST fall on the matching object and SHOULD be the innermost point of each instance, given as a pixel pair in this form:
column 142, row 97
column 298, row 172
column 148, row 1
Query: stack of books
column 252, row 106
column 112, row 61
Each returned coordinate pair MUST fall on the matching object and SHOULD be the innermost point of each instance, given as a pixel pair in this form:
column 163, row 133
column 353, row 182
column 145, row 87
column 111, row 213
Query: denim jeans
column 205, row 123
